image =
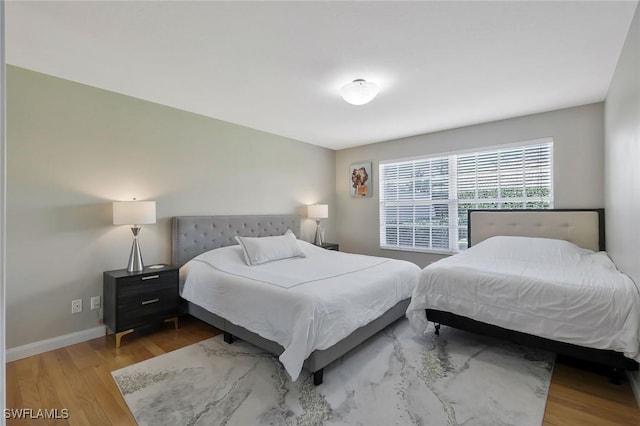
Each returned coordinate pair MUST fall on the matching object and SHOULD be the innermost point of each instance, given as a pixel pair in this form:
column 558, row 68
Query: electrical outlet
column 95, row 302
column 76, row 306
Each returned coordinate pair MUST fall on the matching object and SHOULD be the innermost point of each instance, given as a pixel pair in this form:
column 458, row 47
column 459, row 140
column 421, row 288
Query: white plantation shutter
column 506, row 178
column 414, row 204
column 424, row 202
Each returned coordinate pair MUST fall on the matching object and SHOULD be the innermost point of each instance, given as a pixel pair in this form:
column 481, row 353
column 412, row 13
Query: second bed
column 540, row 278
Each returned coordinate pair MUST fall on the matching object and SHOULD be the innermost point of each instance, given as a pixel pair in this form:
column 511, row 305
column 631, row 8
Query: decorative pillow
column 267, row 249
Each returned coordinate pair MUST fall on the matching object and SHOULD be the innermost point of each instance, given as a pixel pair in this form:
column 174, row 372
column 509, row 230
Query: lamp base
column 135, row 258
column 318, row 239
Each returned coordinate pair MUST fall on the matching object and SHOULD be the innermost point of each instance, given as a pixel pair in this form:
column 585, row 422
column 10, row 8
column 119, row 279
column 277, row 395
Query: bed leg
column 228, row 337
column 317, row 377
column 617, row 374
column 437, row 329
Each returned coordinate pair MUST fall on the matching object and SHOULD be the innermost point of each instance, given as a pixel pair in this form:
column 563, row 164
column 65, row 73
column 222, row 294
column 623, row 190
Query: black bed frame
column 615, row 360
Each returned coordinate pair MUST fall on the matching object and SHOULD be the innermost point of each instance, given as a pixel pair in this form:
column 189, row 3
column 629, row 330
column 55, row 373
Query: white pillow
column 267, row 249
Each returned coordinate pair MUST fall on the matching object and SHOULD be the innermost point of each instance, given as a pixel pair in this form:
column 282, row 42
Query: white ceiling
column 277, row 66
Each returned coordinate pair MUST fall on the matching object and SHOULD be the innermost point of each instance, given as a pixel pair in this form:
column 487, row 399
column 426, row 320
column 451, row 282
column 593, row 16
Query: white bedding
column 303, row 304
column 548, row 288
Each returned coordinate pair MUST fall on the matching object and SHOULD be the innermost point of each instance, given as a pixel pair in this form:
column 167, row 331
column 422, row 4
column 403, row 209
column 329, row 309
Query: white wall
column 72, row 149
column 3, row 400
column 578, row 168
column 622, row 161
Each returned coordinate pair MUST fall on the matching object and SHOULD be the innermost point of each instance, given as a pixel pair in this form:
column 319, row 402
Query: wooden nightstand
column 137, row 299
column 330, row 246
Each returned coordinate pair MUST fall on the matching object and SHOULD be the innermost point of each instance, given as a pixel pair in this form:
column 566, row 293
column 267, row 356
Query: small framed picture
column 361, row 179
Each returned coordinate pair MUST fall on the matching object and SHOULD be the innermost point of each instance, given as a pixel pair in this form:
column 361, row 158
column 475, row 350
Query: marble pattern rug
column 395, row 378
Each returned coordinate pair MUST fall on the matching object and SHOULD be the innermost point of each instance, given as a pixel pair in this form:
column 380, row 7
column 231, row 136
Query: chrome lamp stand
column 318, row 240
column 135, row 258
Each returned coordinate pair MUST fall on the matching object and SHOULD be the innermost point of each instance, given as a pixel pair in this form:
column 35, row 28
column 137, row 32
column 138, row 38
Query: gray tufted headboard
column 192, row 235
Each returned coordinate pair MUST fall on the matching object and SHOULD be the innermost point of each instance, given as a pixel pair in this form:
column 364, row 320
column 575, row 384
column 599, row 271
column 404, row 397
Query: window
column 424, row 201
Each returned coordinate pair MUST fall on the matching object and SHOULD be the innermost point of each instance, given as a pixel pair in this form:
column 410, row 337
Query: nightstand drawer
column 134, row 290
column 149, row 280
column 146, row 308
column 144, row 300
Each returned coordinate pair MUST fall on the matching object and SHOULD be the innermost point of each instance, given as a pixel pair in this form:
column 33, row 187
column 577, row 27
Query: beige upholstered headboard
column 582, row 227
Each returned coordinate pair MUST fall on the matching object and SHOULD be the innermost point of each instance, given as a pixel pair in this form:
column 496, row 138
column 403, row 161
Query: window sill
column 418, row 250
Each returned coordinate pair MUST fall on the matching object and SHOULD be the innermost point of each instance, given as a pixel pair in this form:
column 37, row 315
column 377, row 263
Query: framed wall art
column 361, row 179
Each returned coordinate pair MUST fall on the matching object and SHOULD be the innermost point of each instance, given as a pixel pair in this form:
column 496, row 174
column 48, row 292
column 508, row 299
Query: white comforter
column 303, row 304
column 548, row 288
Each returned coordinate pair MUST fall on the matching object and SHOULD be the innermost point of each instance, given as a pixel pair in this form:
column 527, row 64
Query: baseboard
column 634, row 381
column 46, row 345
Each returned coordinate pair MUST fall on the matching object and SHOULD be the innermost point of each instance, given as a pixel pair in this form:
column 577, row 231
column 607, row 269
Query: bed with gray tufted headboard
column 193, row 235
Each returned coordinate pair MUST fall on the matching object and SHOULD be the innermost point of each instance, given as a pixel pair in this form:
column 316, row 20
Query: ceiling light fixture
column 359, row 92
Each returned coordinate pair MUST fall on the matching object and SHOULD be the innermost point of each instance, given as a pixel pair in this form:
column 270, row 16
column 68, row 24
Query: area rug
column 395, row 378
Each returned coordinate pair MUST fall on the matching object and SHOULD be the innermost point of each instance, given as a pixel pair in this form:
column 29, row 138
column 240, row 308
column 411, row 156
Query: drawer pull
column 150, row 277
column 148, row 302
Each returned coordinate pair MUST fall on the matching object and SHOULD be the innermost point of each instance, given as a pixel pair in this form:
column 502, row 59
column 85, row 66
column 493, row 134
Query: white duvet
column 303, row 304
column 548, row 288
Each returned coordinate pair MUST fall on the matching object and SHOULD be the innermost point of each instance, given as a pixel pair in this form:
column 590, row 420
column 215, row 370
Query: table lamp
column 317, row 212
column 134, row 213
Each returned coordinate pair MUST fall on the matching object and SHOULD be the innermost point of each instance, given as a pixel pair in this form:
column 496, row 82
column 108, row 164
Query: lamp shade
column 318, row 211
column 359, row 92
column 134, row 212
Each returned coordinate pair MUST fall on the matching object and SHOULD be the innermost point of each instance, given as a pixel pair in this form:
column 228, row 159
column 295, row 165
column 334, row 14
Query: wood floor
column 78, row 378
